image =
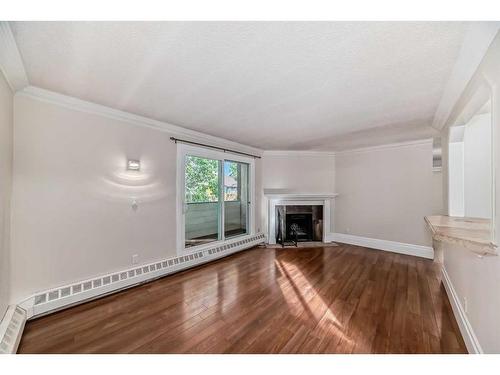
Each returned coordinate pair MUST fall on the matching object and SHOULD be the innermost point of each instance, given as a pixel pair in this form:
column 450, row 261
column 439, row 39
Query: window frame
column 182, row 151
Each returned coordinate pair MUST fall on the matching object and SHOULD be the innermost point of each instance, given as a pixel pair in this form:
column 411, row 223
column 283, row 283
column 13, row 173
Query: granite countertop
column 471, row 233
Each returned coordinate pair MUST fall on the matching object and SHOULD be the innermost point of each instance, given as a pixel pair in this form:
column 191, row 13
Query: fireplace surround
column 280, row 197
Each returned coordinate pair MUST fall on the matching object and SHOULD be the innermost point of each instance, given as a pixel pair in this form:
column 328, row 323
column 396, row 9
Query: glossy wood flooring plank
column 345, row 299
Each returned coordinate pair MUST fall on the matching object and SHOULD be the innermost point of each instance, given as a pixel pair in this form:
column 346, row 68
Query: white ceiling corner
column 271, row 85
column 11, row 63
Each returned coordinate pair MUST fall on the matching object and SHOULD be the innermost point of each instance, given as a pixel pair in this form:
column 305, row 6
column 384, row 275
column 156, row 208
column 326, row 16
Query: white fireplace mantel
column 279, row 197
column 300, row 196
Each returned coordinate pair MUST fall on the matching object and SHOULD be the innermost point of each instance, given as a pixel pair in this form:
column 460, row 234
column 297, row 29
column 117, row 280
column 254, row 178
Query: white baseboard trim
column 471, row 341
column 11, row 329
column 65, row 296
column 392, row 246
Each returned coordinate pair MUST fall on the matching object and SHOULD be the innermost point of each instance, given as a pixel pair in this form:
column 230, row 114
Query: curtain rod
column 214, row 147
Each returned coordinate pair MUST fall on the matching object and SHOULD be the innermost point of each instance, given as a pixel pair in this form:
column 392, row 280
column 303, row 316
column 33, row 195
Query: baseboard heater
column 11, row 329
column 68, row 295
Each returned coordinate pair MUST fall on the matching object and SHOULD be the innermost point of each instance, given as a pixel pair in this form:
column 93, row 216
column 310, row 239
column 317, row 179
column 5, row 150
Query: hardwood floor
column 344, row 299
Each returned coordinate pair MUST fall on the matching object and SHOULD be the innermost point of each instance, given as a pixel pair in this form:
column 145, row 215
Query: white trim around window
column 182, row 151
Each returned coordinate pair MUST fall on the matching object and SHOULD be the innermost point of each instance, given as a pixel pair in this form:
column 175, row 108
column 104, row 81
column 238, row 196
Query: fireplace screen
column 298, row 223
column 299, row 227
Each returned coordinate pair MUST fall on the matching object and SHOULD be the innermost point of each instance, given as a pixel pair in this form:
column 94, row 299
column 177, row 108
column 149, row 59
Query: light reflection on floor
column 301, row 300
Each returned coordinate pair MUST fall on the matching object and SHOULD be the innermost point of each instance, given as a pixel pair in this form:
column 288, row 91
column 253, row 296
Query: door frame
column 182, row 151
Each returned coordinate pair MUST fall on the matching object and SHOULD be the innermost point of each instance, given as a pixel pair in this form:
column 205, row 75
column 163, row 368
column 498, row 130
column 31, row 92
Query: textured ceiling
column 272, row 85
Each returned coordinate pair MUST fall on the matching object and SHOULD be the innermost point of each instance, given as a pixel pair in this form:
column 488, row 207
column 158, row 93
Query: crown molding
column 11, row 63
column 333, row 153
column 476, row 42
column 387, row 146
column 116, row 114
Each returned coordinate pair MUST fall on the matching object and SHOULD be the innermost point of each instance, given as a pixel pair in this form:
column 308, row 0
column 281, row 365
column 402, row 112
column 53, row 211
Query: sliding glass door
column 202, row 200
column 236, row 199
column 216, row 199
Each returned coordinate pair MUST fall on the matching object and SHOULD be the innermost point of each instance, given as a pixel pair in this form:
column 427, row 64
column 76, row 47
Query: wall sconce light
column 133, row 165
column 135, row 205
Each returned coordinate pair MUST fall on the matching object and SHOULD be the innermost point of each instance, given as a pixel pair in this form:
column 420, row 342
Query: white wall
column 385, row 192
column 437, row 193
column 300, row 172
column 5, row 190
column 476, row 279
column 456, row 203
column 477, row 167
column 72, row 216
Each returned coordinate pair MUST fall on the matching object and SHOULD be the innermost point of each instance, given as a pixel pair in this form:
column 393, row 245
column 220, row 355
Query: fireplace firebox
column 299, row 227
column 298, row 223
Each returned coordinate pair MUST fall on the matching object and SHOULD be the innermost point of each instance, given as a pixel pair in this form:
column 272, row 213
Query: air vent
column 77, row 288
column 41, row 298
column 11, row 334
column 53, row 295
